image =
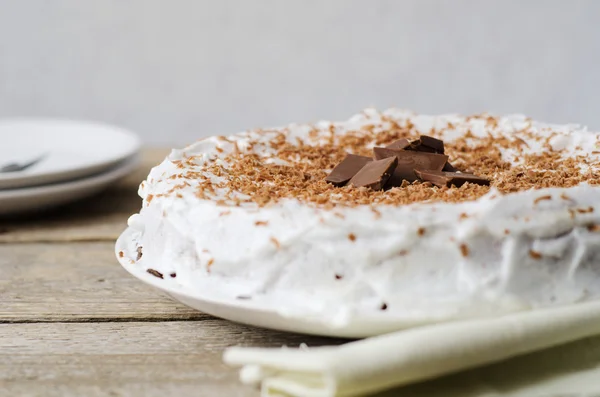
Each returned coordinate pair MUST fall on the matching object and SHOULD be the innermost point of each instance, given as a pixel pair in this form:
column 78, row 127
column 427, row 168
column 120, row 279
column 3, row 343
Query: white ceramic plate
column 73, row 149
column 209, row 298
column 16, row 201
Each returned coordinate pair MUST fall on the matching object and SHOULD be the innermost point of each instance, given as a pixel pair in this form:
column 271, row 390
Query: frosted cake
column 505, row 221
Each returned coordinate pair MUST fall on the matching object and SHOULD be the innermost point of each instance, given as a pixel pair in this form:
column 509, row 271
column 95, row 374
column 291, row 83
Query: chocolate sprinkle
column 345, row 170
column 155, row 273
column 139, row 254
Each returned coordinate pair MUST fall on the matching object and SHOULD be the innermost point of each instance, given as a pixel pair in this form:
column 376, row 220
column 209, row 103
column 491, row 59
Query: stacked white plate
column 76, row 160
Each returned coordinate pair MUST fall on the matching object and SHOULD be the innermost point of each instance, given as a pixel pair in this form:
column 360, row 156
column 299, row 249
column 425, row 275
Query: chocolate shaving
column 441, row 178
column 345, row 170
column 375, row 174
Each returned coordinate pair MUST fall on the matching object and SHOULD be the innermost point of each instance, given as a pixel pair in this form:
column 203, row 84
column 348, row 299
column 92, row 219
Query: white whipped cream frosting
column 301, row 261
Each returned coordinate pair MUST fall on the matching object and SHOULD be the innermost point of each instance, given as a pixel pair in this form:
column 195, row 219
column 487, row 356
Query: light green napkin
column 416, row 355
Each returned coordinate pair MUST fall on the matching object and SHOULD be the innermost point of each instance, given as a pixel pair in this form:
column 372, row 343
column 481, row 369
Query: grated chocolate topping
column 272, row 165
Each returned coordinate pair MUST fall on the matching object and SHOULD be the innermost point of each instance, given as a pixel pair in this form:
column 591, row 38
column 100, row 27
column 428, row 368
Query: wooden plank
column 77, row 282
column 184, row 359
column 118, row 359
column 100, row 218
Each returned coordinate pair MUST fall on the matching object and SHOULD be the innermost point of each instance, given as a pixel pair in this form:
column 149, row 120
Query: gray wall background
column 177, row 70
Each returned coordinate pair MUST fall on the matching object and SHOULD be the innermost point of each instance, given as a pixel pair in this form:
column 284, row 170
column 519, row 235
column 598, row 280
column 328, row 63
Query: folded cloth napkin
column 413, row 355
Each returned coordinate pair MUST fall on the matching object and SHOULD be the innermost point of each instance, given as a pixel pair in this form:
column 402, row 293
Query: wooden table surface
column 74, row 323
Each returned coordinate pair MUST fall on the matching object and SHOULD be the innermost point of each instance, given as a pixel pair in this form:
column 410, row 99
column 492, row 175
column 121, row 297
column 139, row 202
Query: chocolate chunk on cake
column 345, row 170
column 375, row 174
column 449, row 179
